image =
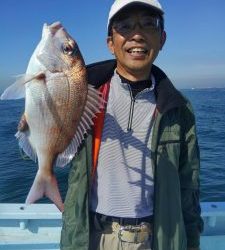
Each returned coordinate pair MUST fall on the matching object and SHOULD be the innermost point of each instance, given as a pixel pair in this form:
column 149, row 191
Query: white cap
column 118, row 5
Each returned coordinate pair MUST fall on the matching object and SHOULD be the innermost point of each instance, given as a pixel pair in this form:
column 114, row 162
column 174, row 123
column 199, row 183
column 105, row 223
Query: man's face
column 135, row 42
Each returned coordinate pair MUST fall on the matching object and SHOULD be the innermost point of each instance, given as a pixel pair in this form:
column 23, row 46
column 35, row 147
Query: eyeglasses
column 128, row 25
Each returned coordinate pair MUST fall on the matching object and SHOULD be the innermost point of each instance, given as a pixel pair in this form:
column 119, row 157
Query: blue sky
column 193, row 56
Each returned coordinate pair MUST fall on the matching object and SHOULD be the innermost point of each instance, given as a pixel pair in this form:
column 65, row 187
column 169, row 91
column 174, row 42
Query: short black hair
column 152, row 11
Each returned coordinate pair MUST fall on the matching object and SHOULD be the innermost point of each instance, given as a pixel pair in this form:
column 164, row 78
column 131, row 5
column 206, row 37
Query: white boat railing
column 38, row 226
column 35, row 226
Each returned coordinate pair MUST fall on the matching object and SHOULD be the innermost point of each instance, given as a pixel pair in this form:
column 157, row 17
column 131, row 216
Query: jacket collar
column 167, row 96
column 100, row 72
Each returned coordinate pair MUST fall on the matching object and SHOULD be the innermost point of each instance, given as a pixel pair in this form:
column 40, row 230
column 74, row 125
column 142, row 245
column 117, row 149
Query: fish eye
column 67, row 49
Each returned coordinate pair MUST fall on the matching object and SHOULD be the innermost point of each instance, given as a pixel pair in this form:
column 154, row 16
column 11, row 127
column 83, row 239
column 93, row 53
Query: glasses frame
column 127, row 25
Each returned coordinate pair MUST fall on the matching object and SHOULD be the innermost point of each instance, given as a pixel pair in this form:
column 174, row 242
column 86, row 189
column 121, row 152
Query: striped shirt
column 123, row 185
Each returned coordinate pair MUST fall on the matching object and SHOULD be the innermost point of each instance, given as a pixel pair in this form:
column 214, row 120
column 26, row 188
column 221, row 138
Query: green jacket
column 175, row 160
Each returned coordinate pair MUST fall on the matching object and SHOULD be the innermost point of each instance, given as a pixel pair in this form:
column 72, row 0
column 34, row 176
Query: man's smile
column 137, row 50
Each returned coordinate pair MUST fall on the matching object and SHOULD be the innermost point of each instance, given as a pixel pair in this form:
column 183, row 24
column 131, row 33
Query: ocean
column 17, row 174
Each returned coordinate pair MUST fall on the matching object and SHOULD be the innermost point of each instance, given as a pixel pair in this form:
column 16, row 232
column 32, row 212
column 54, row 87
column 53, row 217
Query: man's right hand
column 23, row 126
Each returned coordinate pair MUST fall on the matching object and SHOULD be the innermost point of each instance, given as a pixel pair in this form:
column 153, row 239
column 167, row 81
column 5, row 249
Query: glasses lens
column 124, row 26
column 149, row 23
column 146, row 23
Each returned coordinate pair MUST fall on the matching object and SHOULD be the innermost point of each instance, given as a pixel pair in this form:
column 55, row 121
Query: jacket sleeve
column 75, row 218
column 189, row 178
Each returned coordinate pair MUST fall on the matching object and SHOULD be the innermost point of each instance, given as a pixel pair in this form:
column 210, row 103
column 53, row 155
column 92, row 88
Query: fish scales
column 58, row 115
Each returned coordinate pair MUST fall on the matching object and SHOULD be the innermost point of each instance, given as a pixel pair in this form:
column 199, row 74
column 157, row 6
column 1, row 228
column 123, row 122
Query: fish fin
column 93, row 105
column 17, row 89
column 25, row 145
column 45, row 186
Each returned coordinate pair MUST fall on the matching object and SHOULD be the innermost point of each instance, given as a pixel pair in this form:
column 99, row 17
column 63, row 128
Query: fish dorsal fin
column 17, row 89
column 94, row 103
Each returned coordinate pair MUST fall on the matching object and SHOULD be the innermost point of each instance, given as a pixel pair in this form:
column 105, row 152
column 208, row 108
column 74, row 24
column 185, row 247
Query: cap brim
column 137, row 3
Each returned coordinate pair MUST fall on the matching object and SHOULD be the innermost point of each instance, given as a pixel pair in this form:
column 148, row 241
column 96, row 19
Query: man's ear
column 110, row 44
column 163, row 39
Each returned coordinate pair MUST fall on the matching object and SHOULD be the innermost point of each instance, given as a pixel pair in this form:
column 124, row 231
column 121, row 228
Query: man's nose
column 137, row 32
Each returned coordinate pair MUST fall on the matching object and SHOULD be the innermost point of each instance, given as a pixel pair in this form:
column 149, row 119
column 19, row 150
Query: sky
column 193, row 56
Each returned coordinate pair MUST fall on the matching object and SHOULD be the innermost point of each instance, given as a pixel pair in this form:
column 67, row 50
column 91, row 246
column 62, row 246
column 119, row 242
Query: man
column 135, row 182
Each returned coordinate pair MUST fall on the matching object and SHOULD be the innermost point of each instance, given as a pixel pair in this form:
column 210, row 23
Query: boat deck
column 38, row 226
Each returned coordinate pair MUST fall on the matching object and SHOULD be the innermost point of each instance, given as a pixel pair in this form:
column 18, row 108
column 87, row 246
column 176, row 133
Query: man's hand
column 23, row 125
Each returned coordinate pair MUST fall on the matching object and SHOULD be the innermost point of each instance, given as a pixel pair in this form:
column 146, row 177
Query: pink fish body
column 59, row 107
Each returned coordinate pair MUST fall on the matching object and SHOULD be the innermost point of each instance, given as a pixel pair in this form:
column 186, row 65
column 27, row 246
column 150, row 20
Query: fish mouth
column 137, row 51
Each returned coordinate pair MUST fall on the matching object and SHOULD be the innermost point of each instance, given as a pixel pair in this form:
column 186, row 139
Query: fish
column 60, row 106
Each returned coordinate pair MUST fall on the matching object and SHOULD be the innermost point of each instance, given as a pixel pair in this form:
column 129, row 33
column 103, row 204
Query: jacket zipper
column 131, row 113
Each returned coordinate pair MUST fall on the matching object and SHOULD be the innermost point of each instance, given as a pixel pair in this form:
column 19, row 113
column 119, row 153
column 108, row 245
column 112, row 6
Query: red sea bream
column 59, row 107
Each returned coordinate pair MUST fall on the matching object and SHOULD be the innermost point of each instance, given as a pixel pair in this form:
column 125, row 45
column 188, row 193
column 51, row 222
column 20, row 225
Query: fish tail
column 45, row 186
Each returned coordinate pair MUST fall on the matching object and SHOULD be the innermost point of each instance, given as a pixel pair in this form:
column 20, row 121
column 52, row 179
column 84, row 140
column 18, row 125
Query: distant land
column 203, row 88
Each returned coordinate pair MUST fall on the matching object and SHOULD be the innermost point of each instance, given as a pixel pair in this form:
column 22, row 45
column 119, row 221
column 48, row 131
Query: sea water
column 17, row 174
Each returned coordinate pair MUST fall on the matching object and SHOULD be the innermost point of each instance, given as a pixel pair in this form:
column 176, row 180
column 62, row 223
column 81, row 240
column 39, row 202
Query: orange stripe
column 98, row 127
